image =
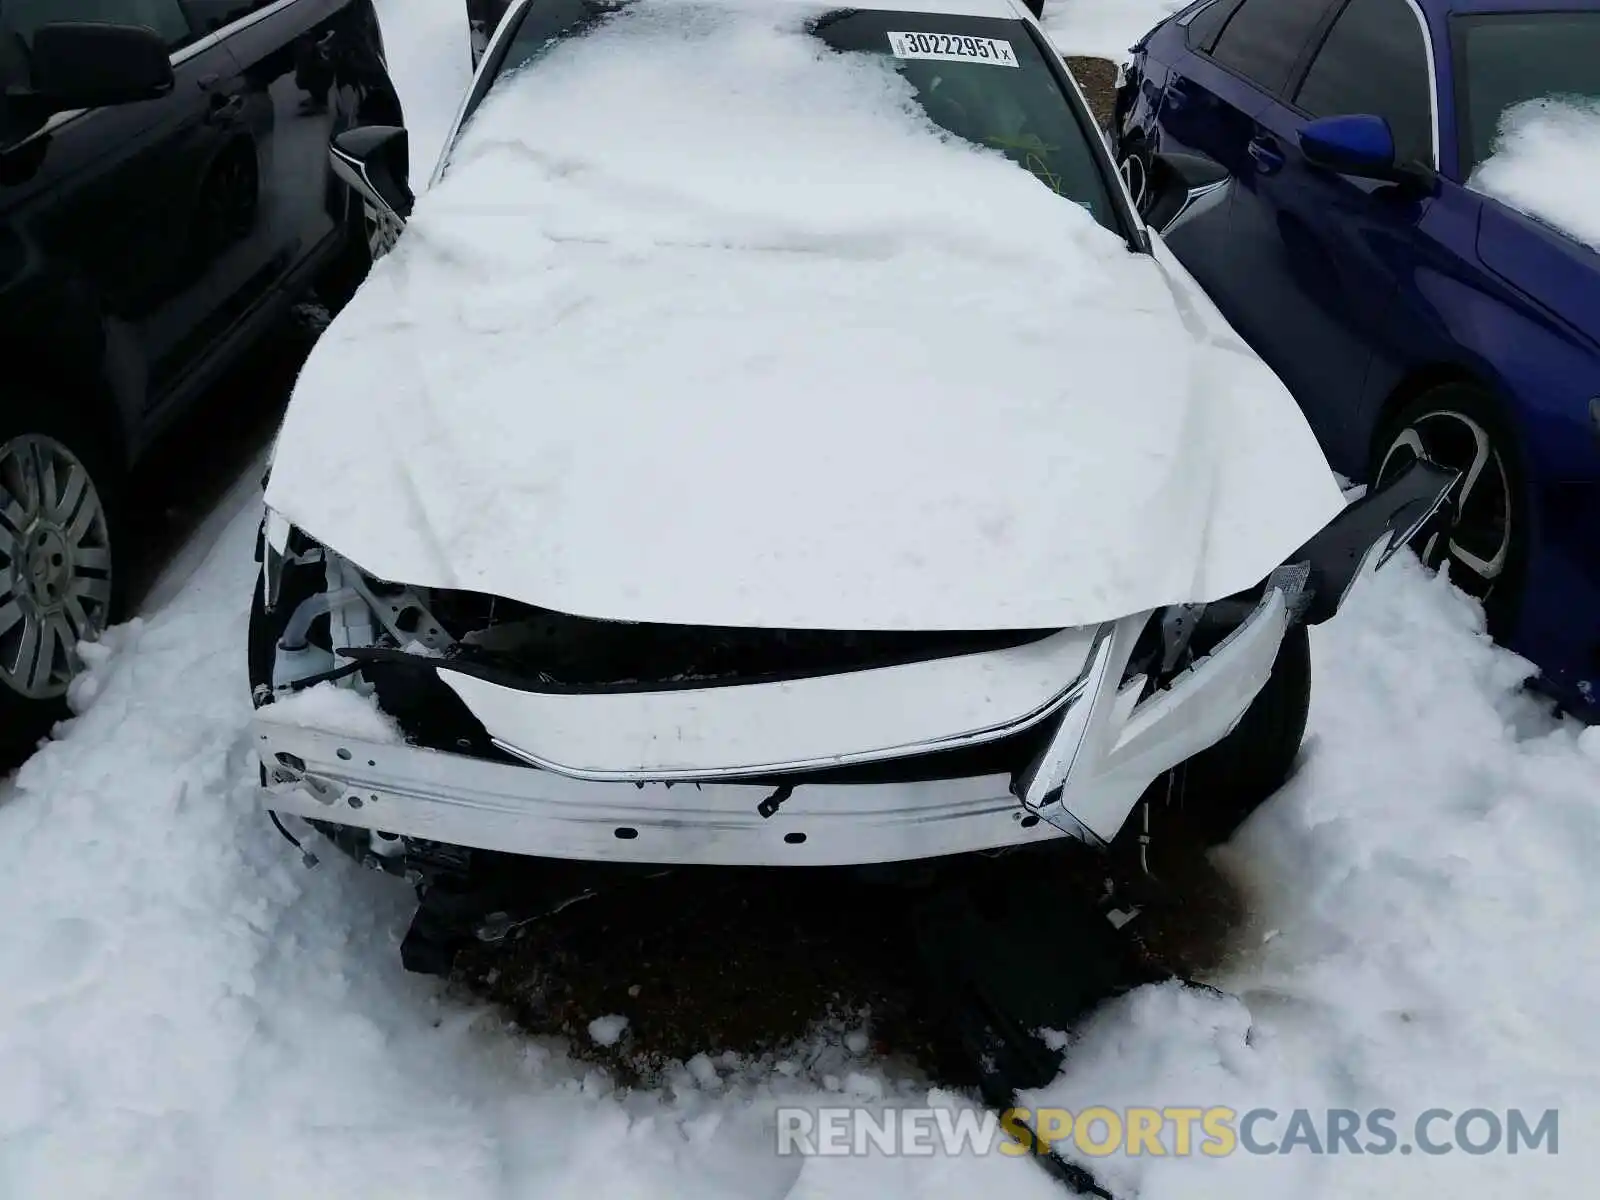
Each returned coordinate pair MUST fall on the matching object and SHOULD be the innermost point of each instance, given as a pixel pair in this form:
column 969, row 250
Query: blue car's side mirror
column 1358, row 145
column 1362, row 146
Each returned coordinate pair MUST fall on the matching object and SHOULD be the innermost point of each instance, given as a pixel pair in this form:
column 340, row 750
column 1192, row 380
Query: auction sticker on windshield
column 952, row 47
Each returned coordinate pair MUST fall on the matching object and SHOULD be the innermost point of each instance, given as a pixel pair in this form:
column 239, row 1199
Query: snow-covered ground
column 1424, row 933
column 430, row 61
column 186, row 1012
column 1103, row 28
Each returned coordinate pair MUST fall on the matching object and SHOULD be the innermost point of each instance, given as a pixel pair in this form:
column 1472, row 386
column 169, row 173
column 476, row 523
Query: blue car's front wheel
column 1484, row 543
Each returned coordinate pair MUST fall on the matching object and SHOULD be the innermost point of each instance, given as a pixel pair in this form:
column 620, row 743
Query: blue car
column 1310, row 162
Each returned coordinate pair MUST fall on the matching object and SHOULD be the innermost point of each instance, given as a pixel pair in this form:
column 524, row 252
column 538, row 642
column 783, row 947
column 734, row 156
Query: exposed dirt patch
column 711, row 961
column 754, row 962
column 1098, row 79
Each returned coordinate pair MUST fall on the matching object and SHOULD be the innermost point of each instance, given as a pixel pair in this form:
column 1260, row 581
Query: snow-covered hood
column 722, row 333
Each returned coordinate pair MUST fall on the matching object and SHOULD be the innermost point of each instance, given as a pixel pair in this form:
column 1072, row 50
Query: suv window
column 1375, row 61
column 20, row 18
column 1263, row 39
column 208, row 16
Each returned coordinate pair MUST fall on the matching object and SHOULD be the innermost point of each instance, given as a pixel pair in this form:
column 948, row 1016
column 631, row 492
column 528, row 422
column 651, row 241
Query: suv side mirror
column 82, row 64
column 375, row 160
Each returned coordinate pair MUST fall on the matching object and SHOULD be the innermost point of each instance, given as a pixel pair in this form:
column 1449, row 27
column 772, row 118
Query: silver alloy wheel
column 55, row 565
column 1478, row 538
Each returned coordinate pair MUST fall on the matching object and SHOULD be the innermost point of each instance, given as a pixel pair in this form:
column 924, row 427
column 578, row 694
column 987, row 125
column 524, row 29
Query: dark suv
column 165, row 194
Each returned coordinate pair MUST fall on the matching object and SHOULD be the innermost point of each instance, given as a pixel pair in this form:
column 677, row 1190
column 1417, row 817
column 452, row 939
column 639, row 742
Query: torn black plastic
column 1404, row 508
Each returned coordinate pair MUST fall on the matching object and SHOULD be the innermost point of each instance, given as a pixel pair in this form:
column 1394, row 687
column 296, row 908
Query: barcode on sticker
column 953, row 47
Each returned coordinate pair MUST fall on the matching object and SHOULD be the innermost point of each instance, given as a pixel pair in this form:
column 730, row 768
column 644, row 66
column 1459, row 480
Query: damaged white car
column 774, row 439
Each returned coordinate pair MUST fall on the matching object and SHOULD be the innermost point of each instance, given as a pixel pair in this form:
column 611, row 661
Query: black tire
column 261, row 635
column 1203, row 801
column 1454, row 423
column 24, row 719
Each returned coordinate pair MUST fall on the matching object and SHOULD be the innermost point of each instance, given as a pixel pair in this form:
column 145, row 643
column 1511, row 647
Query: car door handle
column 1264, row 152
column 1178, row 95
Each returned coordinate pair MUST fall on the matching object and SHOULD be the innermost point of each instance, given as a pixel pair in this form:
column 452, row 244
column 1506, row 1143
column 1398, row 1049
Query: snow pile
column 607, row 1031
column 1104, row 28
column 1425, row 932
column 696, row 288
column 1543, row 164
column 333, row 708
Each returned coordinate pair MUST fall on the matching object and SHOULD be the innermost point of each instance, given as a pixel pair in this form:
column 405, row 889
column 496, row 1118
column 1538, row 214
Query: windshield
column 982, row 79
column 1506, row 59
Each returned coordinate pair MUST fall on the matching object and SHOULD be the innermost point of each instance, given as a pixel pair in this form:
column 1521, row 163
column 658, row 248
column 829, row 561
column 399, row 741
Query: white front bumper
column 524, row 810
column 1106, row 750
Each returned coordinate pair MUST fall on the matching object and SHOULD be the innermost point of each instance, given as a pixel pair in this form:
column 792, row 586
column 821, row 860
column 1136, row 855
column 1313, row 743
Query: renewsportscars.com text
column 1175, row 1131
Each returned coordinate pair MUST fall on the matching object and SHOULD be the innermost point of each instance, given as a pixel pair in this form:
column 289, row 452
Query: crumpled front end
column 503, row 727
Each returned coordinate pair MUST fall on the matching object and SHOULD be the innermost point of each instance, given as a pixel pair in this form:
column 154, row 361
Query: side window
column 1375, row 61
column 19, row 18
column 1263, row 39
column 208, row 16
column 1203, row 27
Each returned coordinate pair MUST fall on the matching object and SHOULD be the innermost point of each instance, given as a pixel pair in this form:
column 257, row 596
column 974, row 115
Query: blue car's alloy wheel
column 1137, row 176
column 1480, row 544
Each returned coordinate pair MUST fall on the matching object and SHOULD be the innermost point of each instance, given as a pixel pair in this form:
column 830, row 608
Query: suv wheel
column 57, row 586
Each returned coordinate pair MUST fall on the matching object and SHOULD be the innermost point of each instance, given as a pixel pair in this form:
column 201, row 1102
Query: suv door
column 1320, row 254
column 1240, row 54
column 110, row 197
column 281, row 56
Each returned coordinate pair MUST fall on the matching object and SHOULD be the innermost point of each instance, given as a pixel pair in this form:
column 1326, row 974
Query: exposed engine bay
column 538, row 649
column 545, row 649
column 330, row 621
